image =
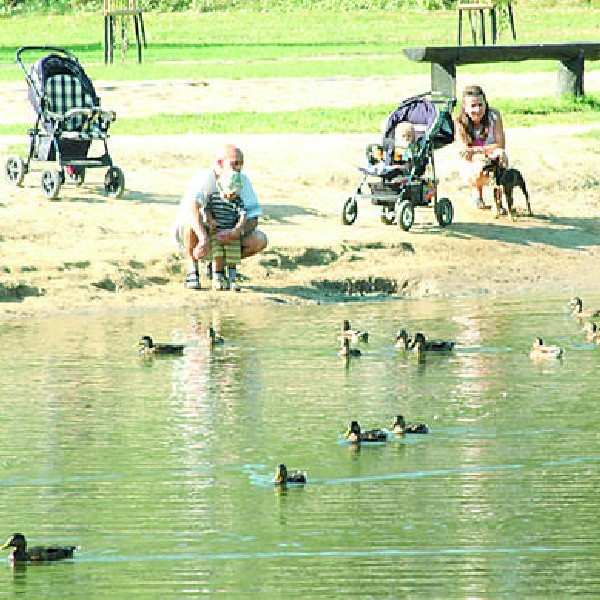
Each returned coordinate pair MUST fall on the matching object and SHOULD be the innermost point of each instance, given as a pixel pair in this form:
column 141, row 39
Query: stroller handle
column 25, row 49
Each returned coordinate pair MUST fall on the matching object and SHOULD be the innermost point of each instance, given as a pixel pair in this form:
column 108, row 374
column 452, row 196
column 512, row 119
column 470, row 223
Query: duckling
column 592, row 334
column 353, row 335
column 540, row 350
column 148, row 348
column 346, row 351
column 400, row 427
column 422, row 345
column 37, row 553
column 214, row 339
column 283, row 476
column 577, row 311
column 356, row 436
column 402, row 341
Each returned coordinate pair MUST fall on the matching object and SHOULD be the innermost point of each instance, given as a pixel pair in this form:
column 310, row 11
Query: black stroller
column 399, row 187
column 69, row 119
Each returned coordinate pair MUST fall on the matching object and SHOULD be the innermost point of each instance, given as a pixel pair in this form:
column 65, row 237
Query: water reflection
column 161, row 469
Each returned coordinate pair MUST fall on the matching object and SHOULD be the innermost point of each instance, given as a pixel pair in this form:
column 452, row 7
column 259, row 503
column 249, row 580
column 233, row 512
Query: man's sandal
column 192, row 281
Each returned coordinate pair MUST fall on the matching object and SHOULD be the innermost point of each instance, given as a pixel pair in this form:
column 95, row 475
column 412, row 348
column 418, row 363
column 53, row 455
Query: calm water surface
column 159, row 470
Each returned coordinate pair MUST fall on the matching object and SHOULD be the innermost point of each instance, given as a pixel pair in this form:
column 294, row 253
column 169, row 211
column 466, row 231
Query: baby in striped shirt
column 221, row 212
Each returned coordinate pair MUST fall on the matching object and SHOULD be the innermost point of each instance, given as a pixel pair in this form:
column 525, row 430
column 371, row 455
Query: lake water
column 159, row 470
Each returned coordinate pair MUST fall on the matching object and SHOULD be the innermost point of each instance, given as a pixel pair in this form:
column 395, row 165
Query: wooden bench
column 445, row 59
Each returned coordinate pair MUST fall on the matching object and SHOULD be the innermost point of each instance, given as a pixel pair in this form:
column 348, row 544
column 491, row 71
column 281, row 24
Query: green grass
column 364, row 119
column 304, row 44
column 300, row 44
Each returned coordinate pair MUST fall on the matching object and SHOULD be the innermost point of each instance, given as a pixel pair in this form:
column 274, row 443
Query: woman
column 480, row 137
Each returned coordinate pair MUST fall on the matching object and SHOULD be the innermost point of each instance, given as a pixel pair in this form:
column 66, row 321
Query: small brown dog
column 506, row 180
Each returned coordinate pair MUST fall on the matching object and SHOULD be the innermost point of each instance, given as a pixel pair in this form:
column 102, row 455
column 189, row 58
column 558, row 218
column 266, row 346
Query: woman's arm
column 465, row 150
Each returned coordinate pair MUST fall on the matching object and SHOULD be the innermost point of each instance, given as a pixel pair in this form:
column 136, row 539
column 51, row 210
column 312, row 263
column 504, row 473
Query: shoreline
column 86, row 253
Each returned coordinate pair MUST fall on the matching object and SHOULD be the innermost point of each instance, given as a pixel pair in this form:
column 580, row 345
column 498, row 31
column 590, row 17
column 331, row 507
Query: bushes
column 9, row 7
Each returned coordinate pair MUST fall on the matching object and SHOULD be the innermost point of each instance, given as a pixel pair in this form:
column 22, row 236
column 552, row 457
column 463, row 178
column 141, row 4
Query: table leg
column 482, row 22
column 106, row 39
column 512, row 21
column 137, row 37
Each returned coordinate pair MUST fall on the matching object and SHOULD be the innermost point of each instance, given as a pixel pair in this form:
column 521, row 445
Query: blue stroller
column 401, row 187
column 69, row 119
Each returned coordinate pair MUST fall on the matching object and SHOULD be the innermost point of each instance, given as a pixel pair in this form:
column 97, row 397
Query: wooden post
column 443, row 78
column 570, row 76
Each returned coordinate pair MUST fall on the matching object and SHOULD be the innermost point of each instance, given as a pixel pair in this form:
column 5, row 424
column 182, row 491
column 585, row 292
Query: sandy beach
column 86, row 252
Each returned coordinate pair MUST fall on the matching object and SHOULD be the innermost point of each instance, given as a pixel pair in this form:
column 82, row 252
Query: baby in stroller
column 404, row 144
column 400, row 171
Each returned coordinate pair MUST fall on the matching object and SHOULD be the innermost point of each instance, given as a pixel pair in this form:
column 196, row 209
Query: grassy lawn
column 308, row 44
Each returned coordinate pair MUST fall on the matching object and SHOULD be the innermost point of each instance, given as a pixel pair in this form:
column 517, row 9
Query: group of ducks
column 355, row 436
column 148, row 348
column 590, row 329
column 419, row 345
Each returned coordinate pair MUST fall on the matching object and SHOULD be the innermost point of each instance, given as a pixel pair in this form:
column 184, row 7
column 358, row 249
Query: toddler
column 225, row 211
column 404, row 136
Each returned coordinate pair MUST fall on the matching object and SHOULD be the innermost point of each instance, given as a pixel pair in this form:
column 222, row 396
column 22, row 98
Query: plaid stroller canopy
column 57, row 97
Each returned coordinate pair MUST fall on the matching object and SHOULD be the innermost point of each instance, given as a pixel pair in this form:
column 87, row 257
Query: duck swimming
column 423, row 345
column 37, row 553
column 346, row 351
column 149, row 348
column 592, row 334
column 354, row 335
column 283, row 476
column 356, row 436
column 540, row 350
column 400, row 427
column 577, row 311
column 214, row 339
column 402, row 341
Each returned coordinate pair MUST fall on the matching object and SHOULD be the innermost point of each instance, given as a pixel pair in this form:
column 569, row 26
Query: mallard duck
column 402, row 341
column 423, row 345
column 283, row 476
column 356, row 436
column 148, row 348
column 354, row 335
column 576, row 306
column 540, row 350
column 400, row 427
column 592, row 334
column 37, row 553
column 346, row 351
column 214, row 339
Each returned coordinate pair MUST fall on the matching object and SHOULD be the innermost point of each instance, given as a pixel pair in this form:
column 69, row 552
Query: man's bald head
column 230, row 157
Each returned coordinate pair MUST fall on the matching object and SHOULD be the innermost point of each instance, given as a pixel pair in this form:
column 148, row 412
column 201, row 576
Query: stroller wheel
column 51, row 182
column 350, row 211
column 14, row 170
column 388, row 215
column 405, row 214
column 114, row 182
column 444, row 212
